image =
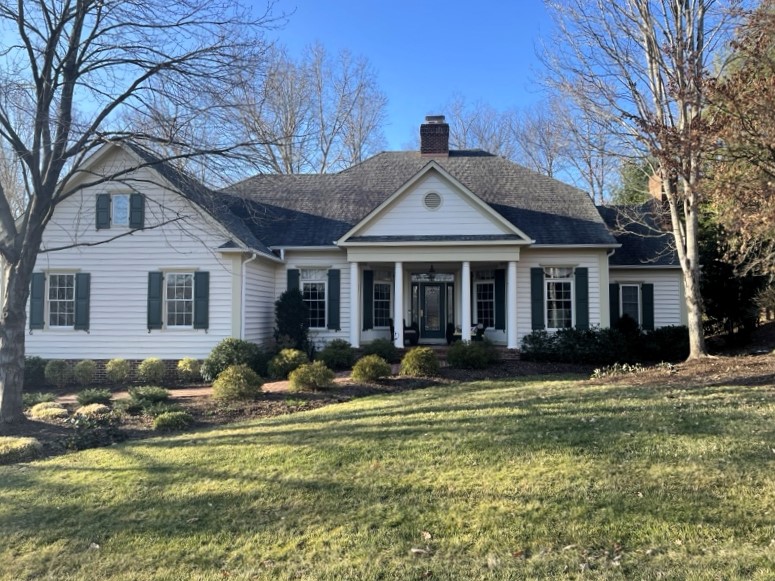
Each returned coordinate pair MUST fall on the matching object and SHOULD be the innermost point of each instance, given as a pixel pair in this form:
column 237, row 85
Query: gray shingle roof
column 637, row 229
column 309, row 210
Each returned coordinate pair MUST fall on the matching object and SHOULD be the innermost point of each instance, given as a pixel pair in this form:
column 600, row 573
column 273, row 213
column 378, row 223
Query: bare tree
column 541, row 133
column 480, row 126
column 318, row 114
column 69, row 72
column 639, row 65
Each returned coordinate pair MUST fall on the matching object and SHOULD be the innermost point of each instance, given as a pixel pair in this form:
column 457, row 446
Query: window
column 179, row 299
column 485, row 303
column 313, row 291
column 61, row 300
column 559, row 297
column 382, row 304
column 119, row 210
column 630, row 301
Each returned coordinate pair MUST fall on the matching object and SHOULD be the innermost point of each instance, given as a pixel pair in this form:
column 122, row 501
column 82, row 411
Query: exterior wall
column 260, row 295
column 325, row 260
column 668, row 296
column 457, row 214
column 119, row 273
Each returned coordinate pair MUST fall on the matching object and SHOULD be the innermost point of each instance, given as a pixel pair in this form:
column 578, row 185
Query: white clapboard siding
column 119, row 274
column 259, row 300
column 668, row 302
column 457, row 214
column 590, row 259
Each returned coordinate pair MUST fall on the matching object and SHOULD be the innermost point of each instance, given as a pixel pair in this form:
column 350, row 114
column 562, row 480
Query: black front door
column 433, row 320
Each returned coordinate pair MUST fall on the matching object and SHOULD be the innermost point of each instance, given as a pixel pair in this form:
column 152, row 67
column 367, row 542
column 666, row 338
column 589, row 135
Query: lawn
column 512, row 479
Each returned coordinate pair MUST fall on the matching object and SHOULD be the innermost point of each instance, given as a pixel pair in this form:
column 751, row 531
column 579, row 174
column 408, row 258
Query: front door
column 432, row 312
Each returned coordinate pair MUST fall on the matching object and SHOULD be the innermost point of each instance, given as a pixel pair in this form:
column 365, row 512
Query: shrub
column 34, row 371
column 420, row 362
column 315, row 376
column 188, row 370
column 92, row 410
column 48, row 410
column 337, row 355
column 233, row 352
column 237, row 382
column 117, row 370
column 292, row 316
column 384, row 348
column 18, row 449
column 30, row 399
column 90, row 396
column 472, row 355
column 371, row 368
column 149, row 394
column 172, row 421
column 128, row 406
column 286, row 361
column 666, row 344
column 90, row 431
column 58, row 372
column 154, row 410
column 84, row 371
column 151, row 370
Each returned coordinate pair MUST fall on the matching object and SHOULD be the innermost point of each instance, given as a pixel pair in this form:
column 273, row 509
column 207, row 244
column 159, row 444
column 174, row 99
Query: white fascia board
column 438, row 243
column 572, row 246
column 246, row 250
column 306, row 248
column 645, row 267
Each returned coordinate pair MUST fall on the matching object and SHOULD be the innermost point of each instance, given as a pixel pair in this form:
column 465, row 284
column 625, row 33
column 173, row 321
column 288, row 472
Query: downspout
column 242, row 295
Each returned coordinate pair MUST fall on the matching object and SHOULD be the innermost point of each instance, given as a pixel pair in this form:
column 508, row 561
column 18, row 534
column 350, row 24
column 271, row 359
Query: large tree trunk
column 693, row 297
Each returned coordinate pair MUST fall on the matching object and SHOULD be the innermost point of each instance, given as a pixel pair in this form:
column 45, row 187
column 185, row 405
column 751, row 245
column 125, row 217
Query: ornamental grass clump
column 117, row 370
column 90, row 396
column 14, row 449
column 311, row 376
column 93, row 410
column 285, row 362
column 371, row 368
column 237, row 382
column 172, row 421
column 420, row 362
column 151, row 370
column 48, row 410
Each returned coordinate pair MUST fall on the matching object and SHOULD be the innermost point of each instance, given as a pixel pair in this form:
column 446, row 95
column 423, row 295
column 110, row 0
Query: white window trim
column 475, row 317
column 165, row 311
column 324, row 282
column 374, row 301
column 47, row 302
column 572, row 280
column 640, row 300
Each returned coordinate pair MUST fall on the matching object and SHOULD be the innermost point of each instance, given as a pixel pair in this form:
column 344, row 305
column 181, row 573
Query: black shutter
column 582, row 298
column 334, row 277
column 136, row 211
column 37, row 300
column 500, row 299
column 293, row 278
column 537, row 298
column 613, row 302
column 155, row 293
column 103, row 211
column 647, row 296
column 201, row 300
column 368, row 299
column 82, row 291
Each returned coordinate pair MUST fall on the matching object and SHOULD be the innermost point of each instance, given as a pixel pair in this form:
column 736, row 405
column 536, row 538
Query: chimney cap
column 434, row 119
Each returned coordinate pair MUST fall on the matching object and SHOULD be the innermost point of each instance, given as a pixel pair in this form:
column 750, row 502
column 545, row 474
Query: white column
column 398, row 306
column 511, row 305
column 466, row 299
column 355, row 310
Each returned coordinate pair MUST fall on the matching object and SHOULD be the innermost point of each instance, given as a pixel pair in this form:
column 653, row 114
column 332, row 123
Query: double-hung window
column 179, row 299
column 61, row 300
column 559, row 297
column 484, row 297
column 313, row 291
column 630, row 301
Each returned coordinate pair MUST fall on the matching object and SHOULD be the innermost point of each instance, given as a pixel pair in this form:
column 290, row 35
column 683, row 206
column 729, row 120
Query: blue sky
column 426, row 51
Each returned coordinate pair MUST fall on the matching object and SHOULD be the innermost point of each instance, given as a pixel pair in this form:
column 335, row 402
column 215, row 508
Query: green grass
column 491, row 480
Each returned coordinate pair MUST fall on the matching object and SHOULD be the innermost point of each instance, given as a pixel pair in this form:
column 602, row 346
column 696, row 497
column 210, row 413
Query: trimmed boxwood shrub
column 84, row 371
column 117, row 370
column 172, row 421
column 34, row 372
column 151, row 370
column 48, row 410
column 384, row 348
column 286, row 361
column 149, row 394
column 472, row 354
column 233, row 352
column 188, row 370
column 237, row 382
column 311, row 376
column 14, row 449
column 420, row 362
column 30, row 399
column 58, row 372
column 337, row 355
column 90, row 396
column 371, row 368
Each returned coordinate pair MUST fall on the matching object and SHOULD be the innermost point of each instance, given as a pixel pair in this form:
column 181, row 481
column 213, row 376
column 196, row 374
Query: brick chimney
column 434, row 136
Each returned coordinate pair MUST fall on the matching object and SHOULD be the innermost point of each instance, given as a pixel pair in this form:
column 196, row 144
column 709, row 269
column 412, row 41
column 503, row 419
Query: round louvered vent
column 432, row 201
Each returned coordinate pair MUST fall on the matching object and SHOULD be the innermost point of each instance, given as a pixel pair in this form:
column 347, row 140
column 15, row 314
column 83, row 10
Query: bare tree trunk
column 692, row 295
column 13, row 322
